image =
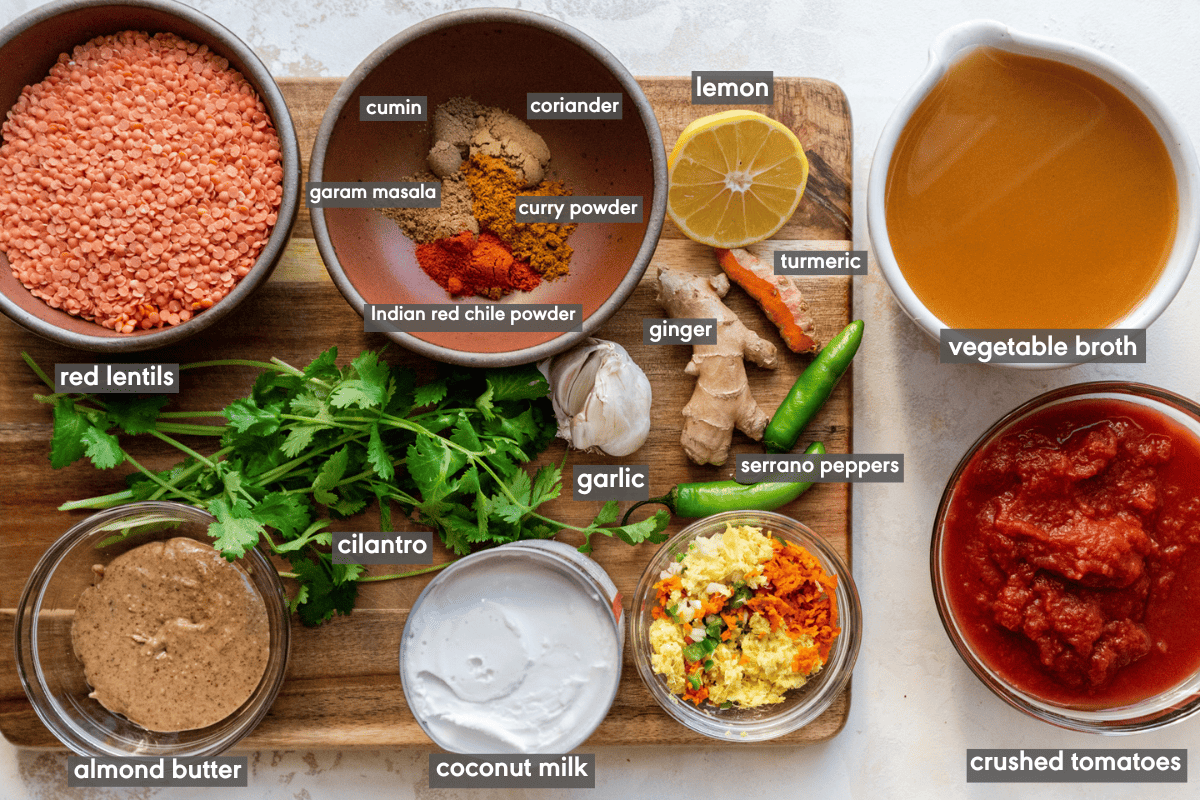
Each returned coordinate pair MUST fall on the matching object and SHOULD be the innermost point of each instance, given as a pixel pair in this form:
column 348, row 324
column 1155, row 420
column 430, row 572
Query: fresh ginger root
column 722, row 399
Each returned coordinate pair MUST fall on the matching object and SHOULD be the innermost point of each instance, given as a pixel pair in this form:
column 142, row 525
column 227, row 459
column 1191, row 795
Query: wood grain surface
column 343, row 684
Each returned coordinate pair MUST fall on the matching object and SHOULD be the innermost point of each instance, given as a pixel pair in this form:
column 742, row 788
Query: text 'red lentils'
column 138, row 182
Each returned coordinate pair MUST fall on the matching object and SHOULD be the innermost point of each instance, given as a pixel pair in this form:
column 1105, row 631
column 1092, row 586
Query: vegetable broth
column 1027, row 193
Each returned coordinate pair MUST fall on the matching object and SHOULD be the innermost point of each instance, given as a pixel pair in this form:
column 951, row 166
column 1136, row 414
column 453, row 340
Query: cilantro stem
column 158, row 434
column 243, row 362
column 37, row 370
column 191, row 430
column 283, row 469
column 193, row 500
column 189, row 414
column 399, row 575
column 101, row 501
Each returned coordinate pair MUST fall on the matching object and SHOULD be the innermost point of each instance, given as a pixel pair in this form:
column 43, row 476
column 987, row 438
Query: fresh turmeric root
column 778, row 296
column 722, row 399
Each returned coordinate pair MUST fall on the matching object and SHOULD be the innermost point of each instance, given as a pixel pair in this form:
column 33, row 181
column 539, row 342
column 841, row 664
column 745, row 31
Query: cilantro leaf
column 135, row 414
column 431, row 463
column 245, row 416
column 485, row 405
column 235, row 530
column 402, row 388
column 346, row 573
column 298, row 438
column 652, row 529
column 369, row 389
column 324, row 598
column 517, row 383
column 102, row 448
column 377, row 455
column 67, row 445
column 430, row 394
column 311, row 404
column 608, row 514
column 286, row 513
column 323, row 366
column 511, row 510
column 547, row 485
column 329, row 475
column 465, row 435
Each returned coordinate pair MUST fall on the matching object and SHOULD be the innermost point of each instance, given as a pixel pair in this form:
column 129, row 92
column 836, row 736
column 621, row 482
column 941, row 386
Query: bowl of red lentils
column 149, row 173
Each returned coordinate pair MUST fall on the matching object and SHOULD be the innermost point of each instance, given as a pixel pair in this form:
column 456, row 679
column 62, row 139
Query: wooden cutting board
column 343, row 684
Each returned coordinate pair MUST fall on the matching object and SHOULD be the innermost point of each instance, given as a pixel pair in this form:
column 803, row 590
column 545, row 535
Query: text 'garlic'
column 601, row 397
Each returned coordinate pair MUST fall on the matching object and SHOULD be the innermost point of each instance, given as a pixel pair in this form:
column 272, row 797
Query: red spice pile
column 138, row 182
column 464, row 265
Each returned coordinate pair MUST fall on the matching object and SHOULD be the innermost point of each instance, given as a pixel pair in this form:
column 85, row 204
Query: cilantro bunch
column 449, row 454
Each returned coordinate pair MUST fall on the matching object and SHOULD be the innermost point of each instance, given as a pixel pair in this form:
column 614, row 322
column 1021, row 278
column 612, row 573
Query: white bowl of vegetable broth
column 1027, row 182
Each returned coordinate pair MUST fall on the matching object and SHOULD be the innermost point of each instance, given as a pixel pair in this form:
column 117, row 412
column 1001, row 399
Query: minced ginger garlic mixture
column 742, row 619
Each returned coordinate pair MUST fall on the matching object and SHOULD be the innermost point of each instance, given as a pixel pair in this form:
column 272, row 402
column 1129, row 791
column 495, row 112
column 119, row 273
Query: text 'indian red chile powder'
column 138, row 182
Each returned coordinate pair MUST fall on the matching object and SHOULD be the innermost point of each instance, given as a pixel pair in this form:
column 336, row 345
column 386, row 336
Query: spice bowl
column 801, row 706
column 968, row 566
column 495, row 57
column 29, row 47
column 1144, row 300
column 52, row 675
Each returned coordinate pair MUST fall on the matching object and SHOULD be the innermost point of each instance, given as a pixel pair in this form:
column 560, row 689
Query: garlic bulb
column 601, row 397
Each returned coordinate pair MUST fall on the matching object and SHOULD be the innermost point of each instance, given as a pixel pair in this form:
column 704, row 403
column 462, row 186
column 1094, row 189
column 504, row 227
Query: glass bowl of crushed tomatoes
column 800, row 706
column 1066, row 557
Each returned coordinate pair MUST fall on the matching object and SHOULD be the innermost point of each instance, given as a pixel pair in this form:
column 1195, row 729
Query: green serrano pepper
column 812, row 389
column 706, row 499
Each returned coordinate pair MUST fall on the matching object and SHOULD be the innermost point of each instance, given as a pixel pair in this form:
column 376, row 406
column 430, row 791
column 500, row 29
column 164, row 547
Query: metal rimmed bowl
column 52, row 676
column 961, row 616
column 800, row 706
column 493, row 671
column 31, row 44
column 494, row 56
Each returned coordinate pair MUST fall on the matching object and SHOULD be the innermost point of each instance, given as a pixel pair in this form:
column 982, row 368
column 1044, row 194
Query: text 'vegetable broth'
column 1026, row 193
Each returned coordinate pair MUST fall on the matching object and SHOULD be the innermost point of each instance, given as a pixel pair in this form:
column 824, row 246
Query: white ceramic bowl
column 989, row 33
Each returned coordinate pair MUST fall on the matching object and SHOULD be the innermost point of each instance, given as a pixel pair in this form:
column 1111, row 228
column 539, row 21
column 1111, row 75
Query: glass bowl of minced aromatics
column 746, row 626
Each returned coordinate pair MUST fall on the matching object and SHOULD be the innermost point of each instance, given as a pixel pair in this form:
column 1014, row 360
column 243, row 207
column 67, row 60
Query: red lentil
column 138, row 182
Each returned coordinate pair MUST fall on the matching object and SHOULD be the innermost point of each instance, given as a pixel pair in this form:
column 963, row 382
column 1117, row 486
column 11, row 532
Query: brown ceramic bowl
column 494, row 56
column 31, row 44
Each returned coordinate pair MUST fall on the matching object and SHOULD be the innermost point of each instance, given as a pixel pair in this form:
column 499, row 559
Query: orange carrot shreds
column 665, row 587
column 713, row 605
column 138, row 182
column 801, row 599
column 697, row 696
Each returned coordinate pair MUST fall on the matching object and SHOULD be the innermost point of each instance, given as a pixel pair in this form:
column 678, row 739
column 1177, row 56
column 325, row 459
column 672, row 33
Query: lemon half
column 736, row 177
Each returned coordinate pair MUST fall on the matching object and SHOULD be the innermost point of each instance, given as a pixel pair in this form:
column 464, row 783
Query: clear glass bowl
column 802, row 705
column 53, row 677
column 1165, row 708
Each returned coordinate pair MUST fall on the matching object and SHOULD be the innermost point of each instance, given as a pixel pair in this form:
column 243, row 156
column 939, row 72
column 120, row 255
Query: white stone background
column 916, row 708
